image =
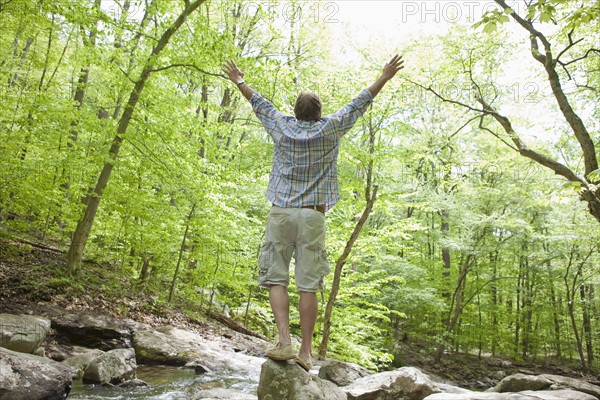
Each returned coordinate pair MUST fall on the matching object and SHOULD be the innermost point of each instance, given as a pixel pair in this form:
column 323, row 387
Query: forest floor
column 34, row 276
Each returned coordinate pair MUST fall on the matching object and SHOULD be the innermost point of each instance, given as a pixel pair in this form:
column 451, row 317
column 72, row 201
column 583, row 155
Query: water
column 166, row 383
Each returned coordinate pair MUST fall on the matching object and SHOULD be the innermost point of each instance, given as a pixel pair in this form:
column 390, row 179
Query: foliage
column 470, row 247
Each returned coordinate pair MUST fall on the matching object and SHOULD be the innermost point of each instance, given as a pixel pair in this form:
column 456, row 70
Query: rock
column 521, row 382
column 564, row 394
column 572, row 383
column 222, row 394
column 133, row 383
column 152, row 347
column 22, row 333
column 113, row 367
column 527, row 395
column 341, row 373
column 82, row 361
column 93, row 330
column 405, row 383
column 28, row 377
column 282, row 380
column 177, row 347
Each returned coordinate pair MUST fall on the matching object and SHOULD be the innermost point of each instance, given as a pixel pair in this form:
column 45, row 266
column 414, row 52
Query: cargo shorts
column 299, row 232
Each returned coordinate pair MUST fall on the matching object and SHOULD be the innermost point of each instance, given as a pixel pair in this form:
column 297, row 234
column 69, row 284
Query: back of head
column 308, row 107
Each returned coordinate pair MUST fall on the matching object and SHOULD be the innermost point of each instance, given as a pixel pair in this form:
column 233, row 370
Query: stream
column 166, row 383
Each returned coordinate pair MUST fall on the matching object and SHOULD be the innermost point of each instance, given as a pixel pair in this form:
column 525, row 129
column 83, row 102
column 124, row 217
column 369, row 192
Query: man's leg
column 280, row 304
column 308, row 309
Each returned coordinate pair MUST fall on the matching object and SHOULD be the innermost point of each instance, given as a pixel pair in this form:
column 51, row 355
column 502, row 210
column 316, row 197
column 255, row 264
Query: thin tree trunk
column 92, row 202
column 571, row 293
column 181, row 249
column 586, row 299
column 494, row 295
column 556, row 311
column 339, row 265
column 456, row 305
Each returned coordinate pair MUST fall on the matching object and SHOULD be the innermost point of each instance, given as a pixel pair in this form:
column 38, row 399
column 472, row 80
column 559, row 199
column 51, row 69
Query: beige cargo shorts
column 299, row 232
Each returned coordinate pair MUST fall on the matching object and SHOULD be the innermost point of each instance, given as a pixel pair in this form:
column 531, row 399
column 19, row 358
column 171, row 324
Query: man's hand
column 236, row 76
column 233, row 72
column 389, row 71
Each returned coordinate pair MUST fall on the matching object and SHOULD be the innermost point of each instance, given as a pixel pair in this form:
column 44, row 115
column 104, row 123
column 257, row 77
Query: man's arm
column 236, row 76
column 389, row 71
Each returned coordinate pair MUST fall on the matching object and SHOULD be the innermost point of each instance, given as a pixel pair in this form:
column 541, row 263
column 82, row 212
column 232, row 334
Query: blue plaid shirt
column 304, row 169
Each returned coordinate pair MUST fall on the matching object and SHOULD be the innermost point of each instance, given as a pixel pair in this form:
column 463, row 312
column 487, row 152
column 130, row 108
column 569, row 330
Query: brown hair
column 308, row 107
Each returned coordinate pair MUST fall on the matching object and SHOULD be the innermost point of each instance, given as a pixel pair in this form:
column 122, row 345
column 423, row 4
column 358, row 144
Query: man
column 302, row 187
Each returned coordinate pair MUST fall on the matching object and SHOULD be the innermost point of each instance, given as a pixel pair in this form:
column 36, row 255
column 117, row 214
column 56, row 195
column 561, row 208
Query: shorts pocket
column 264, row 262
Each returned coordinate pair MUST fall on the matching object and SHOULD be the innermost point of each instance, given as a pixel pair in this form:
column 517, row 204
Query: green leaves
column 491, row 19
column 594, row 176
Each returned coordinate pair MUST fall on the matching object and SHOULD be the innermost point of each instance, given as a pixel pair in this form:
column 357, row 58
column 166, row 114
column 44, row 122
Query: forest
column 469, row 219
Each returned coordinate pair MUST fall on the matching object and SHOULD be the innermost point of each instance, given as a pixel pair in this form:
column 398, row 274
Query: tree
column 573, row 19
column 92, row 202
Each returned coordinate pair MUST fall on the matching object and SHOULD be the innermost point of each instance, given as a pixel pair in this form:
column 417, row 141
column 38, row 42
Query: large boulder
column 341, row 373
column 173, row 346
column 28, row 377
column 97, row 331
column 282, row 380
column 572, row 383
column 114, row 367
column 22, row 333
column 222, row 394
column 526, row 395
column 523, row 382
column 153, row 347
column 405, row 383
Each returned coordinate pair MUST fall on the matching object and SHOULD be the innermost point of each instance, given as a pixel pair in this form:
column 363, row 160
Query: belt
column 320, row 208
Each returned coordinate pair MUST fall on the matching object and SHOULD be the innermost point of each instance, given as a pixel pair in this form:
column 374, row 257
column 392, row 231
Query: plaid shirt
column 304, row 169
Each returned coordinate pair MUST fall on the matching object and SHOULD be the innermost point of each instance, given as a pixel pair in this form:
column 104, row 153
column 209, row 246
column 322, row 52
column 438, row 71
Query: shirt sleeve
column 266, row 112
column 344, row 119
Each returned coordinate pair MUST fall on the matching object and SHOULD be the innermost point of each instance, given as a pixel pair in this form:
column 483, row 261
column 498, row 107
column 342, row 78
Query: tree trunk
column 181, row 249
column 92, row 202
column 456, row 305
column 585, row 291
column 556, row 311
column 339, row 265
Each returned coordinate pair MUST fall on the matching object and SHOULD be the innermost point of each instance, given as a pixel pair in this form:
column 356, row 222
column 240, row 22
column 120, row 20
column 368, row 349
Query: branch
column 192, row 66
column 571, row 44
column 547, row 162
column 494, row 133
column 529, row 27
column 587, row 53
column 462, row 127
column 439, row 96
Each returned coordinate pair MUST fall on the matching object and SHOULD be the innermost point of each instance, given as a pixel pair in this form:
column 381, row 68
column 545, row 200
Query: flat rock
column 524, row 382
column 405, row 383
column 572, row 383
column 22, row 333
column 526, row 395
column 173, row 346
column 28, row 377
